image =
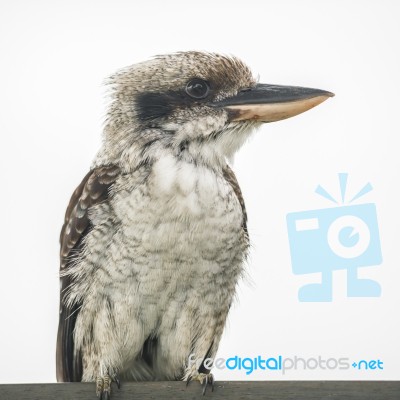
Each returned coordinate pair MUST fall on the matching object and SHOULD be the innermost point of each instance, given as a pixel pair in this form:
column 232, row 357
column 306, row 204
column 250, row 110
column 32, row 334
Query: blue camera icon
column 337, row 238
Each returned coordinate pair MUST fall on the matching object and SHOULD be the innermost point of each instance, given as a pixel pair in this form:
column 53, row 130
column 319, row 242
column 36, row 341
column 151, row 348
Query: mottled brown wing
column 230, row 176
column 93, row 190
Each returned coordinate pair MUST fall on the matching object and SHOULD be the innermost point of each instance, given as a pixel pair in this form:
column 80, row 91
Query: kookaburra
column 155, row 238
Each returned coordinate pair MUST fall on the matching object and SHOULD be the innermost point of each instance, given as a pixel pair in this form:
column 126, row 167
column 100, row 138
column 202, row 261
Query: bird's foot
column 116, row 380
column 103, row 386
column 208, row 379
column 204, row 379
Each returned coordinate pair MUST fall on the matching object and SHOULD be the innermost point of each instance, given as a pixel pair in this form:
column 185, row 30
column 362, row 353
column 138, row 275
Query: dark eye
column 197, row 88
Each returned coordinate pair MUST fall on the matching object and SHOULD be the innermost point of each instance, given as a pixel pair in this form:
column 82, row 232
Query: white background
column 54, row 57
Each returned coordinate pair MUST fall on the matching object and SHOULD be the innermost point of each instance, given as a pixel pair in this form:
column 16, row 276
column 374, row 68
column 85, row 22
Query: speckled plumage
column 151, row 261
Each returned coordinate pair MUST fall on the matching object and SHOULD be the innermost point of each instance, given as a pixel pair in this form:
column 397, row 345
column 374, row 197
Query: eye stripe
column 152, row 106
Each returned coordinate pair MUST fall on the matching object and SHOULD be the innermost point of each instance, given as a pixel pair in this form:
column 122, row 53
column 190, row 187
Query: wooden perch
column 232, row 390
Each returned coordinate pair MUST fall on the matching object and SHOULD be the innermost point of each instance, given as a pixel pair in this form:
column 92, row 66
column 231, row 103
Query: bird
column 155, row 237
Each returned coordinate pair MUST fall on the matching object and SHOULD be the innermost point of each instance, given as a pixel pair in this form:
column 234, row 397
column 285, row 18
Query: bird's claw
column 117, row 381
column 103, row 386
column 204, row 379
column 208, row 379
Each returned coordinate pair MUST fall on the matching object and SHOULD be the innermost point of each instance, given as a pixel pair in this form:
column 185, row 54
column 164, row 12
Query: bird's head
column 200, row 106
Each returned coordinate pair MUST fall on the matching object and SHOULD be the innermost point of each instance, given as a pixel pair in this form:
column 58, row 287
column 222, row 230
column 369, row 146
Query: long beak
column 269, row 103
